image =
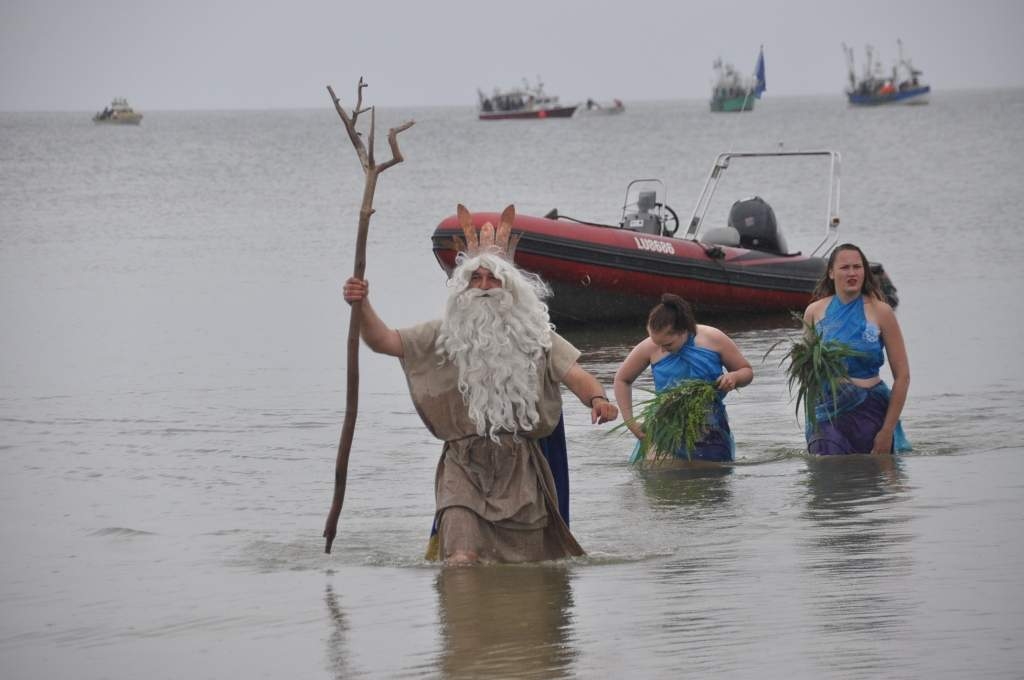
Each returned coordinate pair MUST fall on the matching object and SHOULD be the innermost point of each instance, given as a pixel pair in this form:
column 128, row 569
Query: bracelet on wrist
column 597, row 396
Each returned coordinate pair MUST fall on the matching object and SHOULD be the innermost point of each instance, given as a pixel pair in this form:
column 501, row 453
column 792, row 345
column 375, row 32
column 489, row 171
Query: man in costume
column 485, row 379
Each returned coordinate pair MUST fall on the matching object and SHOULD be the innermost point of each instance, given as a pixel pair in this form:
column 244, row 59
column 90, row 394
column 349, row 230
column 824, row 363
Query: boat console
column 643, row 220
column 644, row 213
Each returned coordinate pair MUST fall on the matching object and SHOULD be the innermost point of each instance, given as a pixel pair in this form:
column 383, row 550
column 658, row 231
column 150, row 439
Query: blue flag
column 760, row 85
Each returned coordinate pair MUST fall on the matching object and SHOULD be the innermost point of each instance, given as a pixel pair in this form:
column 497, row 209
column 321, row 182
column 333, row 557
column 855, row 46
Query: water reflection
column 338, row 651
column 687, row 484
column 850, row 502
column 845, row 492
column 857, row 554
column 506, row 621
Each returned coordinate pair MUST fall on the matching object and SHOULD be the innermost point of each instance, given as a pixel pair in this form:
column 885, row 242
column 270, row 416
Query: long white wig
column 496, row 338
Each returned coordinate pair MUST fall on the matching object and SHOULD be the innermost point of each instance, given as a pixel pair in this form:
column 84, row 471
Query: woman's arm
column 814, row 313
column 635, row 364
column 896, row 350
column 376, row 334
column 738, row 370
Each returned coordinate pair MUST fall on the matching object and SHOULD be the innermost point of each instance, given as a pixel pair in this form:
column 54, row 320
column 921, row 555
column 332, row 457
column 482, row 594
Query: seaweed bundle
column 816, row 368
column 675, row 417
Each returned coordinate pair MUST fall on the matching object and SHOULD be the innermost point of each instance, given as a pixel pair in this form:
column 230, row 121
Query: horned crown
column 500, row 241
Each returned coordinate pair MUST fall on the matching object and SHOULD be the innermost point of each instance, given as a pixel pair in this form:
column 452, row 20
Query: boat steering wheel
column 671, row 225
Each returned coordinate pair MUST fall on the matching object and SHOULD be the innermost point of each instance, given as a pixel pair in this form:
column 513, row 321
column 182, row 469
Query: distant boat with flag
column 902, row 86
column 733, row 92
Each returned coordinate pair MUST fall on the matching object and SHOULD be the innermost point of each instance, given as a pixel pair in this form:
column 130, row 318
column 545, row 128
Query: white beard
column 496, row 344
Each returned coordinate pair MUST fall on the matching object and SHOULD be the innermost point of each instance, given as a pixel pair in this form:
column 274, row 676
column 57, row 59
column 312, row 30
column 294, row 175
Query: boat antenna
column 869, row 68
column 906, row 63
column 850, row 67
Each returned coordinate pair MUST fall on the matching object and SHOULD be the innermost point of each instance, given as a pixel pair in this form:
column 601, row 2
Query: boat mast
column 912, row 73
column 869, row 68
column 848, row 51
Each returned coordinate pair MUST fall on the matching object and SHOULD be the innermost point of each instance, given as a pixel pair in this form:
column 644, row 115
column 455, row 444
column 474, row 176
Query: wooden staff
column 372, row 170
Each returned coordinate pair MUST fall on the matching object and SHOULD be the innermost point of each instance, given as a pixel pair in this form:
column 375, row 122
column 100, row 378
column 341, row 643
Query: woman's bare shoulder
column 878, row 310
column 816, row 309
column 645, row 348
column 709, row 335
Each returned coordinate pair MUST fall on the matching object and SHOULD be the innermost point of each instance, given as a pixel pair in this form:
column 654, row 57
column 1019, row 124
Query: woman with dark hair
column 864, row 417
column 678, row 348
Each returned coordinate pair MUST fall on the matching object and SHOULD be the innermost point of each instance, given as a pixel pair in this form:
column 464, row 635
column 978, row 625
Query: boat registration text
column 654, row 245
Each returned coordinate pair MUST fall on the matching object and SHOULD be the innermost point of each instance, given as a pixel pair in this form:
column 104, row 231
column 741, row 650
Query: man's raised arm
column 375, row 333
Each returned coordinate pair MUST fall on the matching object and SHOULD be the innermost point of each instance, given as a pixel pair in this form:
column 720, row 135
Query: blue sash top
column 848, row 324
column 689, row 363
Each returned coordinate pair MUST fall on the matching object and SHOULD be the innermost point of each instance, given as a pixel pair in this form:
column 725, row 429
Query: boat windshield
column 797, row 191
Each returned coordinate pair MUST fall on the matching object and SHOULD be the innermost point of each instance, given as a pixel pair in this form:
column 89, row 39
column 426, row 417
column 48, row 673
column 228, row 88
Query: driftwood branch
column 372, row 172
column 396, row 153
column 350, row 124
column 373, row 135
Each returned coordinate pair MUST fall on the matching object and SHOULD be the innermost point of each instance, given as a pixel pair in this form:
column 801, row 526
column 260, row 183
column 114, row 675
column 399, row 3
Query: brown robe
column 497, row 499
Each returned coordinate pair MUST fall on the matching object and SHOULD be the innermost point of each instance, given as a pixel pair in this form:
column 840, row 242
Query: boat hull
column 556, row 112
column 121, row 120
column 911, row 96
column 731, row 104
column 583, row 111
column 607, row 274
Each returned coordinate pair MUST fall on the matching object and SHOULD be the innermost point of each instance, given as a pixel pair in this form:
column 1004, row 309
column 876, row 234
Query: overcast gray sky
column 229, row 54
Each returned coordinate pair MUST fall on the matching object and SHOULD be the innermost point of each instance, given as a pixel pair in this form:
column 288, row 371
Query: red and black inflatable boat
column 610, row 273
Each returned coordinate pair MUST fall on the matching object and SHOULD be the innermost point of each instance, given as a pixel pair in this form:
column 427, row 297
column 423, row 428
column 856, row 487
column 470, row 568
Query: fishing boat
column 528, row 101
column 617, row 272
column 118, row 113
column 596, row 108
column 733, row 92
column 902, row 86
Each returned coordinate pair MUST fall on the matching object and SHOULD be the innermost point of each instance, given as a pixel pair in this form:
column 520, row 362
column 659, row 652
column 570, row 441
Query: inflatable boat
column 613, row 273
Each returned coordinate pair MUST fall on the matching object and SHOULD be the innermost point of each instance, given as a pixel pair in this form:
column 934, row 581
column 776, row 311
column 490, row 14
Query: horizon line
column 769, row 97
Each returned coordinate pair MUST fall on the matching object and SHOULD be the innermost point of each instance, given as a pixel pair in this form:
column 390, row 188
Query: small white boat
column 595, row 108
column 118, row 113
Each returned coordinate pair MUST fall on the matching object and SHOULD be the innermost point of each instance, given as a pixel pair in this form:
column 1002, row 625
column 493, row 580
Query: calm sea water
column 172, row 383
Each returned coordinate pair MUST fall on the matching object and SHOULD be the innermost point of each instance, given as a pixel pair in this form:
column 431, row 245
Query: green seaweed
column 816, row 367
column 675, row 417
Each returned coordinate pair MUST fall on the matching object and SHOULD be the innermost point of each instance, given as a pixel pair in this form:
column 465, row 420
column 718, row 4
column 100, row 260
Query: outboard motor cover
column 754, row 219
